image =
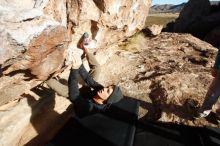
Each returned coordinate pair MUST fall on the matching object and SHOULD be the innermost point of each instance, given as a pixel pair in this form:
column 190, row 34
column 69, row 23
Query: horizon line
column 179, row 3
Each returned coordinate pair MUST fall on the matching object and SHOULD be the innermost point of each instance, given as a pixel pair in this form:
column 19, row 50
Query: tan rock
column 21, row 22
column 108, row 22
column 45, row 54
column 171, row 69
column 34, row 119
column 154, row 29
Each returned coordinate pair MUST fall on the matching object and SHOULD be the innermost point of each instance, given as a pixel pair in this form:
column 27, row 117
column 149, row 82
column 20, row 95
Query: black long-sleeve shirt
column 84, row 104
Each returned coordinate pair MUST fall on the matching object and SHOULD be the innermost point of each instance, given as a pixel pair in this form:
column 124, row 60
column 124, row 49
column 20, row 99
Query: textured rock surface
column 154, row 29
column 164, row 73
column 34, row 118
column 23, row 21
column 107, row 22
column 40, row 33
column 45, row 54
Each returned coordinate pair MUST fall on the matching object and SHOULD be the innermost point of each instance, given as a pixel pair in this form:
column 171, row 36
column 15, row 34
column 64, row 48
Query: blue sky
column 170, row 1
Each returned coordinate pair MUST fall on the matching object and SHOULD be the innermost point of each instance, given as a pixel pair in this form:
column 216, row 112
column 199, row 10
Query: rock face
column 166, row 73
column 106, row 21
column 45, row 54
column 153, row 30
column 209, row 24
column 36, row 37
column 34, row 118
column 32, row 32
column 200, row 19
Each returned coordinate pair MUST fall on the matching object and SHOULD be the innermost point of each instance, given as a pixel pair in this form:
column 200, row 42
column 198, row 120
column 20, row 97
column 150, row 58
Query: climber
column 99, row 97
column 213, row 92
column 94, row 100
column 89, row 49
column 84, row 44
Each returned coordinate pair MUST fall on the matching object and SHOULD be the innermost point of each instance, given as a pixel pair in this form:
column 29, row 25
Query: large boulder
column 32, row 32
column 153, row 30
column 38, row 35
column 34, row 118
column 107, row 22
column 192, row 11
column 200, row 19
column 202, row 26
column 45, row 54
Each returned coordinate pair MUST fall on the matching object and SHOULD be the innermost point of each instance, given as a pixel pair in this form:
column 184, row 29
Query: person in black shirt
column 97, row 99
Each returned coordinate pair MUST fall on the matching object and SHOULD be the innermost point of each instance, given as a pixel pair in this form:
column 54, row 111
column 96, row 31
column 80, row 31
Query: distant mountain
column 214, row 2
column 169, row 8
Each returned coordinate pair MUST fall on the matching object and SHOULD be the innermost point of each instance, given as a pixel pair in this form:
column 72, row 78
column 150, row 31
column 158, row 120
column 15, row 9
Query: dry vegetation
column 160, row 19
column 134, row 43
column 138, row 41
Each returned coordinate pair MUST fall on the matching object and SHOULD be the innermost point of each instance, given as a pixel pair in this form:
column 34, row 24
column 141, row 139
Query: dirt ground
column 169, row 75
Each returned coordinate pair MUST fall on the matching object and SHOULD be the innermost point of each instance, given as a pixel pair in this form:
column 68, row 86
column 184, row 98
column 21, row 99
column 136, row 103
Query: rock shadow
column 44, row 119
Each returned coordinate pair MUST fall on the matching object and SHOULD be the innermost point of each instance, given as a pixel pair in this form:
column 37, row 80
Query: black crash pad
column 116, row 127
column 158, row 133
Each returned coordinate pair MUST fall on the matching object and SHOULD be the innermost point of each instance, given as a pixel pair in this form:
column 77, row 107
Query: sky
column 175, row 2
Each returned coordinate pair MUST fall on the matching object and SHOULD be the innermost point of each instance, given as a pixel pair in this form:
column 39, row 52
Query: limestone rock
column 23, row 21
column 45, row 54
column 107, row 22
column 163, row 75
column 38, row 35
column 154, row 30
column 33, row 119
